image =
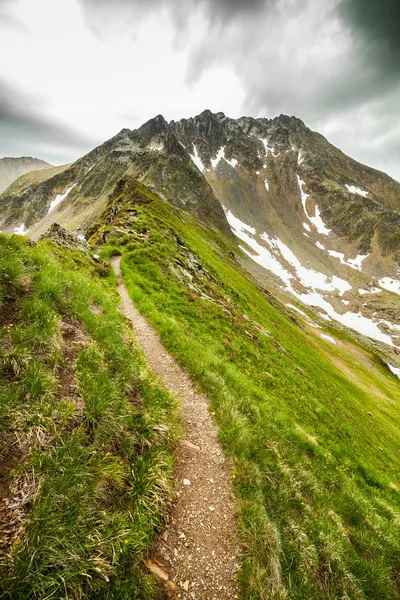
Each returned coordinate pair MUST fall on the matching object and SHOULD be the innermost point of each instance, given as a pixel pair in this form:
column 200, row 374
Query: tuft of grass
column 99, row 468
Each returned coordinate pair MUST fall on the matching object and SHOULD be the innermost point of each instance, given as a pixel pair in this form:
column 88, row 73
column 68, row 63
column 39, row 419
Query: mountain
column 75, row 195
column 315, row 223
column 12, row 168
column 267, row 262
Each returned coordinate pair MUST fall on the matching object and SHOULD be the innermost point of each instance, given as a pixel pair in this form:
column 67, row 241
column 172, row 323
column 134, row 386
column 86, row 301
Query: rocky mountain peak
column 156, row 126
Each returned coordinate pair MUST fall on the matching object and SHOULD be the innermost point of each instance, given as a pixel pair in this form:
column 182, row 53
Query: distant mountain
column 12, row 168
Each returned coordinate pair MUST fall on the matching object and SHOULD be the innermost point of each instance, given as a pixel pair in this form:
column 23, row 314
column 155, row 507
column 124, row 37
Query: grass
column 86, row 432
column 315, row 449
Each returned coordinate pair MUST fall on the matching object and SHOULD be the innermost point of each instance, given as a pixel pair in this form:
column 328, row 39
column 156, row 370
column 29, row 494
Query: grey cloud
column 24, row 129
column 6, row 17
column 100, row 12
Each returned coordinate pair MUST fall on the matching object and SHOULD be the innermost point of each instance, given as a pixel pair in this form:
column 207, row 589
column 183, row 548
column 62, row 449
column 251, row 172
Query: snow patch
column 308, row 277
column 328, row 338
column 267, row 147
column 371, row 291
column 21, row 229
column 237, row 225
column 267, row 258
column 316, row 220
column 356, row 190
column 59, row 198
column 354, row 263
column 392, row 285
column 297, row 310
column 263, row 256
column 266, row 185
column 354, row 321
column 320, row 246
column 307, row 227
column 90, row 168
column 156, row 146
column 197, row 160
column 221, row 155
column 394, row 370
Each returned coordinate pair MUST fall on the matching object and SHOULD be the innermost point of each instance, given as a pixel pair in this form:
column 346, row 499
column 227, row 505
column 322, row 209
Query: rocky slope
column 324, row 226
column 12, row 168
column 76, row 195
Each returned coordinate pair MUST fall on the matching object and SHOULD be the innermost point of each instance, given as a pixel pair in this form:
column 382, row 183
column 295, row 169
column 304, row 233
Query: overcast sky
column 75, row 72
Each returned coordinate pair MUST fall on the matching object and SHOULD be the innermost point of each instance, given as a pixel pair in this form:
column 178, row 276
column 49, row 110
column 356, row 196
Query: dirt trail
column 198, row 550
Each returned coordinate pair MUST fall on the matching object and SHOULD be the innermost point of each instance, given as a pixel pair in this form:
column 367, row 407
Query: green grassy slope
column 86, row 433
column 312, row 428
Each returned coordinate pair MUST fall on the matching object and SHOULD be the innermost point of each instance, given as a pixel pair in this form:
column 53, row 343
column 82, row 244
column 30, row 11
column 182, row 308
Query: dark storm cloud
column 377, row 26
column 373, row 69
column 24, row 129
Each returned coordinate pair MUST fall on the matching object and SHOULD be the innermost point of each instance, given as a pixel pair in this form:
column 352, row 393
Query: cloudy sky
column 75, row 72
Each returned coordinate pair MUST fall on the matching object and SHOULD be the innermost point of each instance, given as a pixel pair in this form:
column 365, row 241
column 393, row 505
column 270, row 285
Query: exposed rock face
column 255, row 166
column 320, row 225
column 77, row 195
column 236, row 155
column 65, row 239
column 12, row 168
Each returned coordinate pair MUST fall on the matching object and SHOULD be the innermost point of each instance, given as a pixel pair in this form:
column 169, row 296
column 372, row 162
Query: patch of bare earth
column 73, row 340
column 197, row 555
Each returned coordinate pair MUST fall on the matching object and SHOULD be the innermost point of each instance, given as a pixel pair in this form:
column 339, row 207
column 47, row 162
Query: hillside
column 13, row 168
column 86, row 432
column 259, row 254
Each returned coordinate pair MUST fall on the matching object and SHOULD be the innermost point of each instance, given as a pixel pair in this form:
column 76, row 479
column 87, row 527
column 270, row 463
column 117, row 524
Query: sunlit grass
column 101, row 468
column 315, row 449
